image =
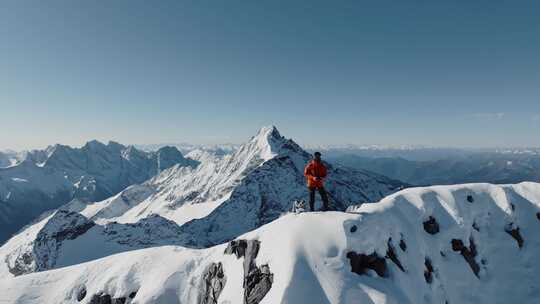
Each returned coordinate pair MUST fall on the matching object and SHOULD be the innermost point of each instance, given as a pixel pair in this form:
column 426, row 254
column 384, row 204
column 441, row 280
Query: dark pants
column 324, row 198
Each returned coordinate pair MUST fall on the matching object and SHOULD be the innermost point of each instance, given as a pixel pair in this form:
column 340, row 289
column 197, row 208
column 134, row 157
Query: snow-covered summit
column 268, row 143
column 258, row 181
column 474, row 243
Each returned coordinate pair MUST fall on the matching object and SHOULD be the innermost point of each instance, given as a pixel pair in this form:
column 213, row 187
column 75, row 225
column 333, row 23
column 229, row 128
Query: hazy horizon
column 429, row 73
column 305, row 145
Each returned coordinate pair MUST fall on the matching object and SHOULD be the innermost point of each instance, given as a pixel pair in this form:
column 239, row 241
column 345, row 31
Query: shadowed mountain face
column 47, row 179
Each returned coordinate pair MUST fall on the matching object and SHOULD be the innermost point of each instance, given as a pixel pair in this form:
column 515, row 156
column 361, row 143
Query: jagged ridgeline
column 46, row 179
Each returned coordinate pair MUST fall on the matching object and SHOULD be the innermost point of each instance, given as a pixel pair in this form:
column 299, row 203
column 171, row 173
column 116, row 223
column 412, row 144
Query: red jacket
column 313, row 170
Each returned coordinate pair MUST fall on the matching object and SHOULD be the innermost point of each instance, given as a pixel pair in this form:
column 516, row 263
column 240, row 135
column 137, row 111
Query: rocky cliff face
column 57, row 241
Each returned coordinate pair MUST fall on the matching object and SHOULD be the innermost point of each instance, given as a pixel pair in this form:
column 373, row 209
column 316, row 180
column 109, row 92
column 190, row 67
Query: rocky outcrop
column 514, row 232
column 103, row 298
column 468, row 254
column 81, row 294
column 391, row 254
column 257, row 280
column 257, row 283
column 431, row 226
column 151, row 231
column 63, row 225
column 237, row 247
column 361, row 263
column 42, row 253
column 428, row 271
column 402, row 245
column 106, row 299
column 213, row 282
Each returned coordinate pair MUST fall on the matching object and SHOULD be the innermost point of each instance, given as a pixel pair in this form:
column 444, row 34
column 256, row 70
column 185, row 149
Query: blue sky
column 443, row 73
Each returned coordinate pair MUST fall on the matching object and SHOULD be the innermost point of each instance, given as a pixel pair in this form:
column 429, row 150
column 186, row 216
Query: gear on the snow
column 299, row 206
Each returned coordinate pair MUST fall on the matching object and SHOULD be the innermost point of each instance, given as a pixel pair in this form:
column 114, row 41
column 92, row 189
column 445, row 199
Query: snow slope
column 408, row 248
column 47, row 179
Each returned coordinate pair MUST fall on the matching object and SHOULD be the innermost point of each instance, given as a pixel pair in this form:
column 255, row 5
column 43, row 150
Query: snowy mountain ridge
column 258, row 181
column 473, row 243
column 197, row 206
column 51, row 178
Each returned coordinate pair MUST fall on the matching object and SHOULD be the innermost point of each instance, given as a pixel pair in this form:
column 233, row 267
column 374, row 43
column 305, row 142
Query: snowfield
column 474, row 243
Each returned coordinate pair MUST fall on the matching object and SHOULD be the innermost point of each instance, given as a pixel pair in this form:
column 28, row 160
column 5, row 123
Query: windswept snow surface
column 307, row 254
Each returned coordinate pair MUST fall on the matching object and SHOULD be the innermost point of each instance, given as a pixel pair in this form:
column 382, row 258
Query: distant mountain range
column 488, row 167
column 41, row 180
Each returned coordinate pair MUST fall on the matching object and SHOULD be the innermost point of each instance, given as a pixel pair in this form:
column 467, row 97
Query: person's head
column 317, row 156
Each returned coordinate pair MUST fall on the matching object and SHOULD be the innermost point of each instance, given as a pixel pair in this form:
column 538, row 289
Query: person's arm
column 324, row 172
column 307, row 171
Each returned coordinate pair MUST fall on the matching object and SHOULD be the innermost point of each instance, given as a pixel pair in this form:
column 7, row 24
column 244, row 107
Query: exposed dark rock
column 431, row 226
column 468, row 253
column 470, row 198
column 391, row 254
column 428, row 271
column 457, row 244
column 79, row 226
column 442, row 254
column 63, row 225
column 237, row 247
column 514, row 232
column 257, row 280
column 402, row 245
column 257, row 284
column 538, row 215
column 133, row 295
column 353, row 229
column 106, row 299
column 213, row 282
column 100, row 299
column 475, row 227
column 513, row 207
column 81, row 294
column 360, row 263
column 22, row 265
column 251, row 252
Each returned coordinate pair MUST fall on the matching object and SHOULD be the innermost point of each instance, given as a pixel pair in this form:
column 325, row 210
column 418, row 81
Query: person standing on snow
column 315, row 173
